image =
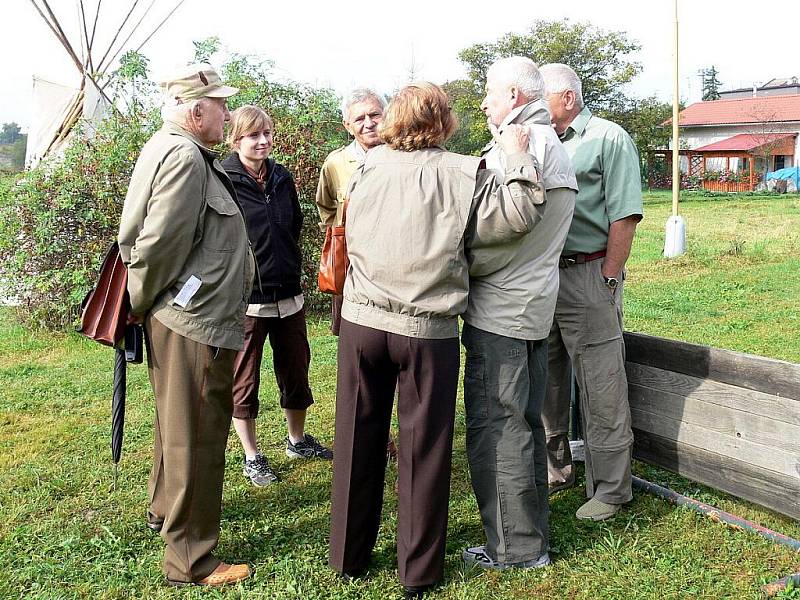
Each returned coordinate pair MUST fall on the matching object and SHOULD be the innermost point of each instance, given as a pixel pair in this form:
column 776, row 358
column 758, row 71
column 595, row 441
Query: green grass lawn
column 64, row 532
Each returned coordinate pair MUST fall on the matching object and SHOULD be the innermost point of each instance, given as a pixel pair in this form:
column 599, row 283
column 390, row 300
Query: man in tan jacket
column 362, row 112
column 190, row 269
column 512, row 295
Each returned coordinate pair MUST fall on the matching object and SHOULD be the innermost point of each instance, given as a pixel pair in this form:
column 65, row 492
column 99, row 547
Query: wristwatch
column 611, row 282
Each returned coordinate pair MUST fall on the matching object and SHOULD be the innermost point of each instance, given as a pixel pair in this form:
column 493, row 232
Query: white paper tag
column 188, row 290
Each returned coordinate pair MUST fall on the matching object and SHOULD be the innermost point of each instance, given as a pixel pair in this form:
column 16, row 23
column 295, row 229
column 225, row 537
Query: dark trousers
column 291, row 357
column 336, row 313
column 505, row 381
column 371, row 364
column 192, row 385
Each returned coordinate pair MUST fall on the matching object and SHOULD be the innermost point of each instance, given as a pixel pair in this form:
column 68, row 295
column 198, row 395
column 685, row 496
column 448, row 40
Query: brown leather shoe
column 226, row 574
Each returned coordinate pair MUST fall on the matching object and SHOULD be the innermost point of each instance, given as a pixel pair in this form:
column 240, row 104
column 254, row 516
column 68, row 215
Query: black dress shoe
column 353, row 574
column 417, row 591
column 155, row 526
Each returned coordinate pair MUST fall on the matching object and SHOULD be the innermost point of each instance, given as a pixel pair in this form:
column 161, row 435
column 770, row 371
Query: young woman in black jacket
column 267, row 195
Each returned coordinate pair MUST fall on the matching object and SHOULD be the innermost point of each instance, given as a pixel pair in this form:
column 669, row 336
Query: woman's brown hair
column 247, row 119
column 419, row 116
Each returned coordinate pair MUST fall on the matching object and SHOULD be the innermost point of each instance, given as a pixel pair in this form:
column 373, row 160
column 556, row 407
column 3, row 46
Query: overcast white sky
column 345, row 43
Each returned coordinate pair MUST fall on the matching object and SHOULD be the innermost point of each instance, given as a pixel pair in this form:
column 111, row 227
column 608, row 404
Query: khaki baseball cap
column 197, row 81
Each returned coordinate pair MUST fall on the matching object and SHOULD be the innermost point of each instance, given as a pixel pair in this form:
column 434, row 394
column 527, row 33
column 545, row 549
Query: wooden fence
column 729, row 186
column 722, row 418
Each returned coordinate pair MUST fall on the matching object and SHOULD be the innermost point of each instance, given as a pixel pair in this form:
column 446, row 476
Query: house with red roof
column 738, row 140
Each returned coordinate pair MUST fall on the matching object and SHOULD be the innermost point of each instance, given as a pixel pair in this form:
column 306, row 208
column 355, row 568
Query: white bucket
column 675, row 239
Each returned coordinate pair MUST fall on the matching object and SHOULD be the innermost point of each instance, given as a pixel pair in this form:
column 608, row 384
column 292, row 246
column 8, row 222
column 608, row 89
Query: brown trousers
column 371, row 364
column 586, row 338
column 192, row 384
column 291, row 357
column 336, row 313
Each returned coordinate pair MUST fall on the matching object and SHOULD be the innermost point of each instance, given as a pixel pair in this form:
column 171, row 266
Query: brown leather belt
column 579, row 259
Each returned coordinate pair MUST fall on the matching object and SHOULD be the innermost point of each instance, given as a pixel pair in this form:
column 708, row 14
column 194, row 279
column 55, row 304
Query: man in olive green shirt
column 586, row 337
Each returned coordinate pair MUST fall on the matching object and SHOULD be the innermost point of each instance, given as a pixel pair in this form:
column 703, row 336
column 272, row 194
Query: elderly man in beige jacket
column 362, row 113
column 512, row 296
column 183, row 239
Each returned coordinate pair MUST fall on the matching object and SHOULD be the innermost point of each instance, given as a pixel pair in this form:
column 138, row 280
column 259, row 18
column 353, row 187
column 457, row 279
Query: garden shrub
column 57, row 220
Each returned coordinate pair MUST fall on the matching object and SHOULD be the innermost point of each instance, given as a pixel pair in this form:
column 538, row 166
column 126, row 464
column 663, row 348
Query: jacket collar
column 355, row 152
column 275, row 173
column 534, row 112
column 579, row 123
column 175, row 129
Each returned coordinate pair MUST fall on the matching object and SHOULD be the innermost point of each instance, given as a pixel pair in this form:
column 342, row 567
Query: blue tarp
column 788, row 173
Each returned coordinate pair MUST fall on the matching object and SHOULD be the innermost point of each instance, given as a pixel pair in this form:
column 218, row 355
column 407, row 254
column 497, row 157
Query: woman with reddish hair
column 415, row 211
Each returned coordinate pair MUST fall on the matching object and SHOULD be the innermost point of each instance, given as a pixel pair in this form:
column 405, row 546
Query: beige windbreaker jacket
column 514, row 284
column 184, row 241
column 410, row 220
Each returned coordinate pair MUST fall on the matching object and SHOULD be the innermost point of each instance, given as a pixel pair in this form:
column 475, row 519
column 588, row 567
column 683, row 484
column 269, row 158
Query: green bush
column 57, row 220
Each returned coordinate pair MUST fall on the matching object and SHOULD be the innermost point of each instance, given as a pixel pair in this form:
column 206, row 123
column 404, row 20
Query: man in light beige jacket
column 512, row 296
column 190, row 269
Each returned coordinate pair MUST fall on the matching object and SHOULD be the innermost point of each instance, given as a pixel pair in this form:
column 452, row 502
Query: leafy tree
column 643, row 119
column 472, row 133
column 10, row 133
column 205, row 49
column 600, row 58
column 711, row 84
column 57, row 222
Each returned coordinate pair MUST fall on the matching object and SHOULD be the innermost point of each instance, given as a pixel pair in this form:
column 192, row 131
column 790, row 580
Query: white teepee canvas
column 58, row 108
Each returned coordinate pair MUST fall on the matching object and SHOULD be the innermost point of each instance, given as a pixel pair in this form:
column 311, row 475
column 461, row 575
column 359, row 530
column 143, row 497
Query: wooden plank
column 767, row 375
column 762, row 486
column 738, row 424
column 757, row 403
column 787, row 464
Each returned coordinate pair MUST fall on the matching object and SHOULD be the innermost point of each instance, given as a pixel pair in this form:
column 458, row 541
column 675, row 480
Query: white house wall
column 696, row 136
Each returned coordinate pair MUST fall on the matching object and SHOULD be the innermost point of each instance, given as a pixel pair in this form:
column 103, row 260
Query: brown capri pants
column 192, row 385
column 371, row 364
column 291, row 357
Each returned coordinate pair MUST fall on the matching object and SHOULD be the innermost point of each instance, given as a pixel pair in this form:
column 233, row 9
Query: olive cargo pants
column 505, row 380
column 586, row 338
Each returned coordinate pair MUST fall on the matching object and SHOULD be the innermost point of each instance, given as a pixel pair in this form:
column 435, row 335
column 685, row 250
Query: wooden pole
column 101, row 64
column 676, row 158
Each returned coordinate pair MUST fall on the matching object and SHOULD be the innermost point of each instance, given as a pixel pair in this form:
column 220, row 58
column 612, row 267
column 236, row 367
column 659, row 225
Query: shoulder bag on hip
column 104, row 310
column 333, row 262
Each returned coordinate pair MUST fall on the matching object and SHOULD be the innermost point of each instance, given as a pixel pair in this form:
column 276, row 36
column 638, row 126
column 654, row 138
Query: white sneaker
column 477, row 556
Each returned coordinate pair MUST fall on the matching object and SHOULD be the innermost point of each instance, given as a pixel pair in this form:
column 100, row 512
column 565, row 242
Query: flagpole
column 675, row 238
column 676, row 99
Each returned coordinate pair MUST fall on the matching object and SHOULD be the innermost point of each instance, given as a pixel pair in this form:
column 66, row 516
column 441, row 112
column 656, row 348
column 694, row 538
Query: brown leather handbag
column 333, row 262
column 104, row 310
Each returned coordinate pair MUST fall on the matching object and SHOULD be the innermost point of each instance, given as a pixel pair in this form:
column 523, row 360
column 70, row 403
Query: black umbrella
column 118, row 408
column 129, row 351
